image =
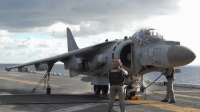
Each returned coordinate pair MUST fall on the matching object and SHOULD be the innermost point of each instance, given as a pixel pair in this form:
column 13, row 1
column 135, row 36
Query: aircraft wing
column 77, row 53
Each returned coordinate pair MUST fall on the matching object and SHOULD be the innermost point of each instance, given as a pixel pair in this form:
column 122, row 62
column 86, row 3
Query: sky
column 36, row 29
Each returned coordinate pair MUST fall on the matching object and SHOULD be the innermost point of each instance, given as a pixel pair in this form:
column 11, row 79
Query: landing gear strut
column 48, row 89
column 142, row 88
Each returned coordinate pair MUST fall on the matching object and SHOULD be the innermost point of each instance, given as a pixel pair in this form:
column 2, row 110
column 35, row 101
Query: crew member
column 116, row 79
column 169, row 73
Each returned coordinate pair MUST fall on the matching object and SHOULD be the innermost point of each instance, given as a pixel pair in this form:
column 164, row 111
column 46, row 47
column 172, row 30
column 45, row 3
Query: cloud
column 3, row 33
column 5, row 40
column 43, row 45
column 3, row 37
column 57, row 29
column 29, row 49
column 86, row 18
column 90, row 17
column 8, row 47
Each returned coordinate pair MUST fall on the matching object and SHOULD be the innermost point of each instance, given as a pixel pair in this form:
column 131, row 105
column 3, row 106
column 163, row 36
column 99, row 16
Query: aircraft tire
column 97, row 89
column 104, row 89
column 129, row 95
column 48, row 90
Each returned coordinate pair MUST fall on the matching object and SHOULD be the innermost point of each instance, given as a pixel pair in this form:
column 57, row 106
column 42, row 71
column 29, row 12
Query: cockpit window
column 147, row 36
column 153, row 32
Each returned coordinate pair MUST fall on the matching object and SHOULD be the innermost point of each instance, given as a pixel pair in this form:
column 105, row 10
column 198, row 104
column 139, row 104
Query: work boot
column 164, row 100
column 172, row 101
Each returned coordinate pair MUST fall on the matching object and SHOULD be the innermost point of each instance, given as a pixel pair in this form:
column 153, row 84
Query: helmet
column 117, row 62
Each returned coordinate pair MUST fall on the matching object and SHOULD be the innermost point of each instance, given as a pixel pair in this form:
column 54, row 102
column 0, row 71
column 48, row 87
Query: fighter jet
column 143, row 52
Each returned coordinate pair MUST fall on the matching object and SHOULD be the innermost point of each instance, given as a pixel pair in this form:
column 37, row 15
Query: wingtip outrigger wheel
column 46, row 81
column 48, row 90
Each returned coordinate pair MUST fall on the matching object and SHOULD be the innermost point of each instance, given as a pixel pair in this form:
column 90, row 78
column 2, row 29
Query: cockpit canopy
column 147, row 36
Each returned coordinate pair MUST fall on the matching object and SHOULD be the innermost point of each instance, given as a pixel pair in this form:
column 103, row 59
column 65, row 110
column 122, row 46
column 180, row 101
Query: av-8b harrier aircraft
column 145, row 51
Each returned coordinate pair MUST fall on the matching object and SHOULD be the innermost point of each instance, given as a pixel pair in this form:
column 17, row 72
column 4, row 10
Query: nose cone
column 180, row 55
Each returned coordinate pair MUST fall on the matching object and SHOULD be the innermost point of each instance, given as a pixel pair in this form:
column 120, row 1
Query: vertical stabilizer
column 70, row 41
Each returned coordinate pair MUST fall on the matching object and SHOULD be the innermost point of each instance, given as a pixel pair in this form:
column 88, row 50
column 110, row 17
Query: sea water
column 189, row 74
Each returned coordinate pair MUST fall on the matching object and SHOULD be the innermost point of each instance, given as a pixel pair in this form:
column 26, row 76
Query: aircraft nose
column 180, row 55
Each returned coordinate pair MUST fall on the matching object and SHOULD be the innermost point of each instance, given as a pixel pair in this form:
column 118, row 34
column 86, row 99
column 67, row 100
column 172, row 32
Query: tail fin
column 70, row 41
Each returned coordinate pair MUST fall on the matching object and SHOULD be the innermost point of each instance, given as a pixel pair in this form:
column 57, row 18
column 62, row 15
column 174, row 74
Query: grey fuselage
column 137, row 56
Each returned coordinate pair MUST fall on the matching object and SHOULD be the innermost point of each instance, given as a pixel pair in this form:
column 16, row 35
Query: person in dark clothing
column 169, row 73
column 116, row 79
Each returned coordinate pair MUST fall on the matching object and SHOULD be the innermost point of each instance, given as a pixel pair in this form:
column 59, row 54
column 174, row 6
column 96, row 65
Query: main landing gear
column 101, row 88
column 45, row 79
column 129, row 91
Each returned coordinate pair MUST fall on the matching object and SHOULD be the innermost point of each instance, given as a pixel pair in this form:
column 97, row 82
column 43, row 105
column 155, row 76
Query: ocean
column 190, row 74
